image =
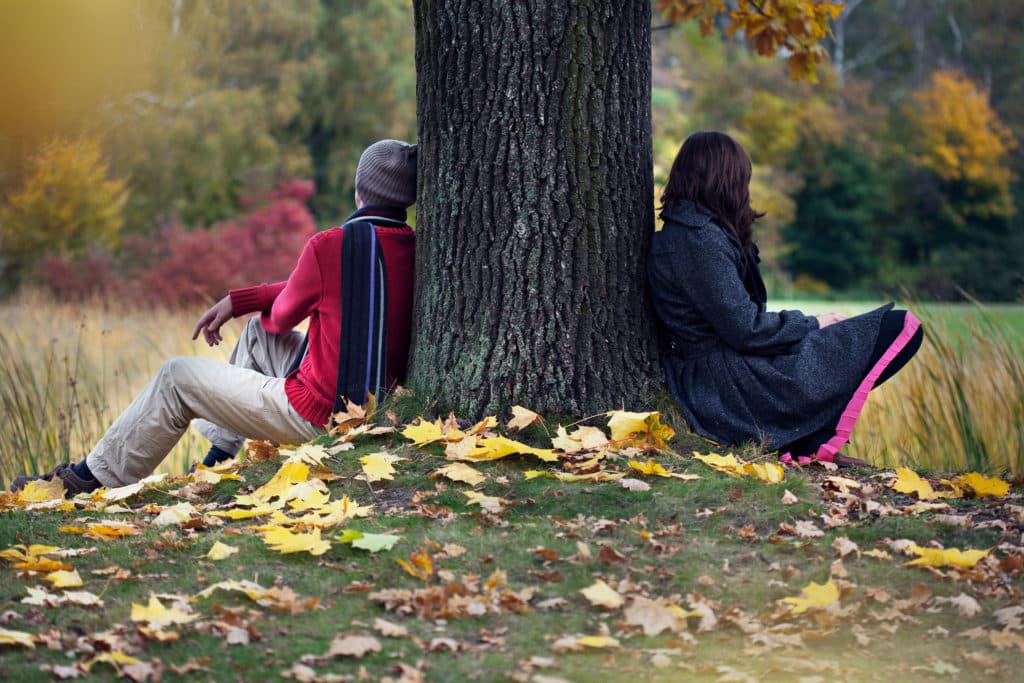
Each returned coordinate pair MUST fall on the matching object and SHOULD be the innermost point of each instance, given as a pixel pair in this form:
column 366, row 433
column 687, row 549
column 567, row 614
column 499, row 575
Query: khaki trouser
column 230, row 402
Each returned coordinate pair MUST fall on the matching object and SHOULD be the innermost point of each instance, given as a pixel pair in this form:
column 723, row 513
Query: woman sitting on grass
column 791, row 382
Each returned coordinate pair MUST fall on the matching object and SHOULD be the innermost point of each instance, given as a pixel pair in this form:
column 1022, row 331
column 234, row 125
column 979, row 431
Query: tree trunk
column 535, row 204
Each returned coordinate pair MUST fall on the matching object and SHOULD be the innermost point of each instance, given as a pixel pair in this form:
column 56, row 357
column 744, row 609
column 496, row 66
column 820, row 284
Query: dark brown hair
column 713, row 170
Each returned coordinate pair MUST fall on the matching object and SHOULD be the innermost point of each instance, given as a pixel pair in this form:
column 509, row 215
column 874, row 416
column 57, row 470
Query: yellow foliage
column 284, row 541
column 768, row 472
column 814, row 595
column 643, row 430
column 420, row 564
column 220, row 551
column 16, row 638
column 155, row 615
column 952, row 557
column 602, row 595
column 798, row 26
column 908, row 481
column 983, row 486
column 959, row 136
column 377, row 467
column 65, row 579
column 66, row 203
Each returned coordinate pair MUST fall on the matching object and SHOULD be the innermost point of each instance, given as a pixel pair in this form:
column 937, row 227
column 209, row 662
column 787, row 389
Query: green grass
column 735, row 558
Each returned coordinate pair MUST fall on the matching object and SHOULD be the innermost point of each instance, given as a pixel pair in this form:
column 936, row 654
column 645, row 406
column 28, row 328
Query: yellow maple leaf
column 420, row 564
column 284, row 541
column 585, row 438
column 220, row 551
column 42, row 491
column 65, row 579
column 649, row 467
column 458, row 471
column 770, row 473
column 908, row 481
column 600, row 475
column 951, row 557
column 17, row 638
column 313, row 499
column 155, row 615
column 984, row 486
column 639, row 429
column 814, row 595
column 522, row 418
column 377, row 467
column 289, row 474
column 597, row 641
column 238, row 513
column 115, row 659
column 501, row 446
column 602, row 595
column 423, row 432
column 103, row 530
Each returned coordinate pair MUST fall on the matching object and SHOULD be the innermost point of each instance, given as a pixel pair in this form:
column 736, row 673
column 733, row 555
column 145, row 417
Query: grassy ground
column 721, row 545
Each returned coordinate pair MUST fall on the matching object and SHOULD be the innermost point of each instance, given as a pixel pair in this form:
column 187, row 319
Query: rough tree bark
column 535, row 204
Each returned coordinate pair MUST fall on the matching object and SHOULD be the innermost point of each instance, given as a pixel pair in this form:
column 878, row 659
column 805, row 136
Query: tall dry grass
column 958, row 405
column 66, row 371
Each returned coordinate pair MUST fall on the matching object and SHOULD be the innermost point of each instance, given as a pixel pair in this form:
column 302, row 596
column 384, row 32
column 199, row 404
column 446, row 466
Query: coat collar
column 687, row 212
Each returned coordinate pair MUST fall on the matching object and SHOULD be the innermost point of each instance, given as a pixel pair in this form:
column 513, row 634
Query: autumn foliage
column 175, row 266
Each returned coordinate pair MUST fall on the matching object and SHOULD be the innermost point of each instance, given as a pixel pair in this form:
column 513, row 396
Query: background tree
column 67, row 204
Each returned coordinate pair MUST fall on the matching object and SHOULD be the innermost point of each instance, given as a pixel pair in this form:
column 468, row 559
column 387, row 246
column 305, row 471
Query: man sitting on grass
column 353, row 283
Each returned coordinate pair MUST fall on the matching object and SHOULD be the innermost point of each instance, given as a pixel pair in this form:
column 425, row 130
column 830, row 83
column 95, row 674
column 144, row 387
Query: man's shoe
column 73, row 483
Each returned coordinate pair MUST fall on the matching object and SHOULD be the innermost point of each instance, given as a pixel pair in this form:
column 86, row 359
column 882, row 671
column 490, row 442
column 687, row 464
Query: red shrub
column 177, row 267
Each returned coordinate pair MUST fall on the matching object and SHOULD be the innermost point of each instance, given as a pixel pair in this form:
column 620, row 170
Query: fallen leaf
column 639, row 429
column 220, row 551
column 423, row 432
column 983, row 486
column 17, row 638
column 908, row 481
column 353, row 646
column 522, row 418
column 155, row 615
column 952, row 557
column 65, row 579
column 788, row 498
column 174, row 514
column 634, row 485
column 814, row 595
column 602, row 595
column 284, row 541
column 420, row 564
column 458, row 471
column 655, row 616
column 376, row 467
column 371, row 542
column 491, row 504
column 965, row 604
column 389, row 629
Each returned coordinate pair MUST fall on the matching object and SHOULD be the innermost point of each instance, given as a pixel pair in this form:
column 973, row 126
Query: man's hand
column 210, row 322
column 826, row 319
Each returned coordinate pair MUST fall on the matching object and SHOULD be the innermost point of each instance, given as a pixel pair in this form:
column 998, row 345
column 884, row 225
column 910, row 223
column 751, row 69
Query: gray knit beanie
column 386, row 174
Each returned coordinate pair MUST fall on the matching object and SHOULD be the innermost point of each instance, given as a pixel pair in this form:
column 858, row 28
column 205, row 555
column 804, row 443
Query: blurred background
column 154, row 153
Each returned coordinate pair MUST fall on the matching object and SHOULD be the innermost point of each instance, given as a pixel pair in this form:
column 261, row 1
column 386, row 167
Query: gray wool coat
column 738, row 372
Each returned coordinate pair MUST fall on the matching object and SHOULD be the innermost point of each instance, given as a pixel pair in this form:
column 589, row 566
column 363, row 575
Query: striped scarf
column 362, row 356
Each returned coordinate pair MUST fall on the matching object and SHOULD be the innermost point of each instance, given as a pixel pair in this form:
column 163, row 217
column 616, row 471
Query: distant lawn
column 958, row 318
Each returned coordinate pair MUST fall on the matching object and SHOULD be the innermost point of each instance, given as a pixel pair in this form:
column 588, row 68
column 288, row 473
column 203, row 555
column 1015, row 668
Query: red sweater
column 313, row 290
